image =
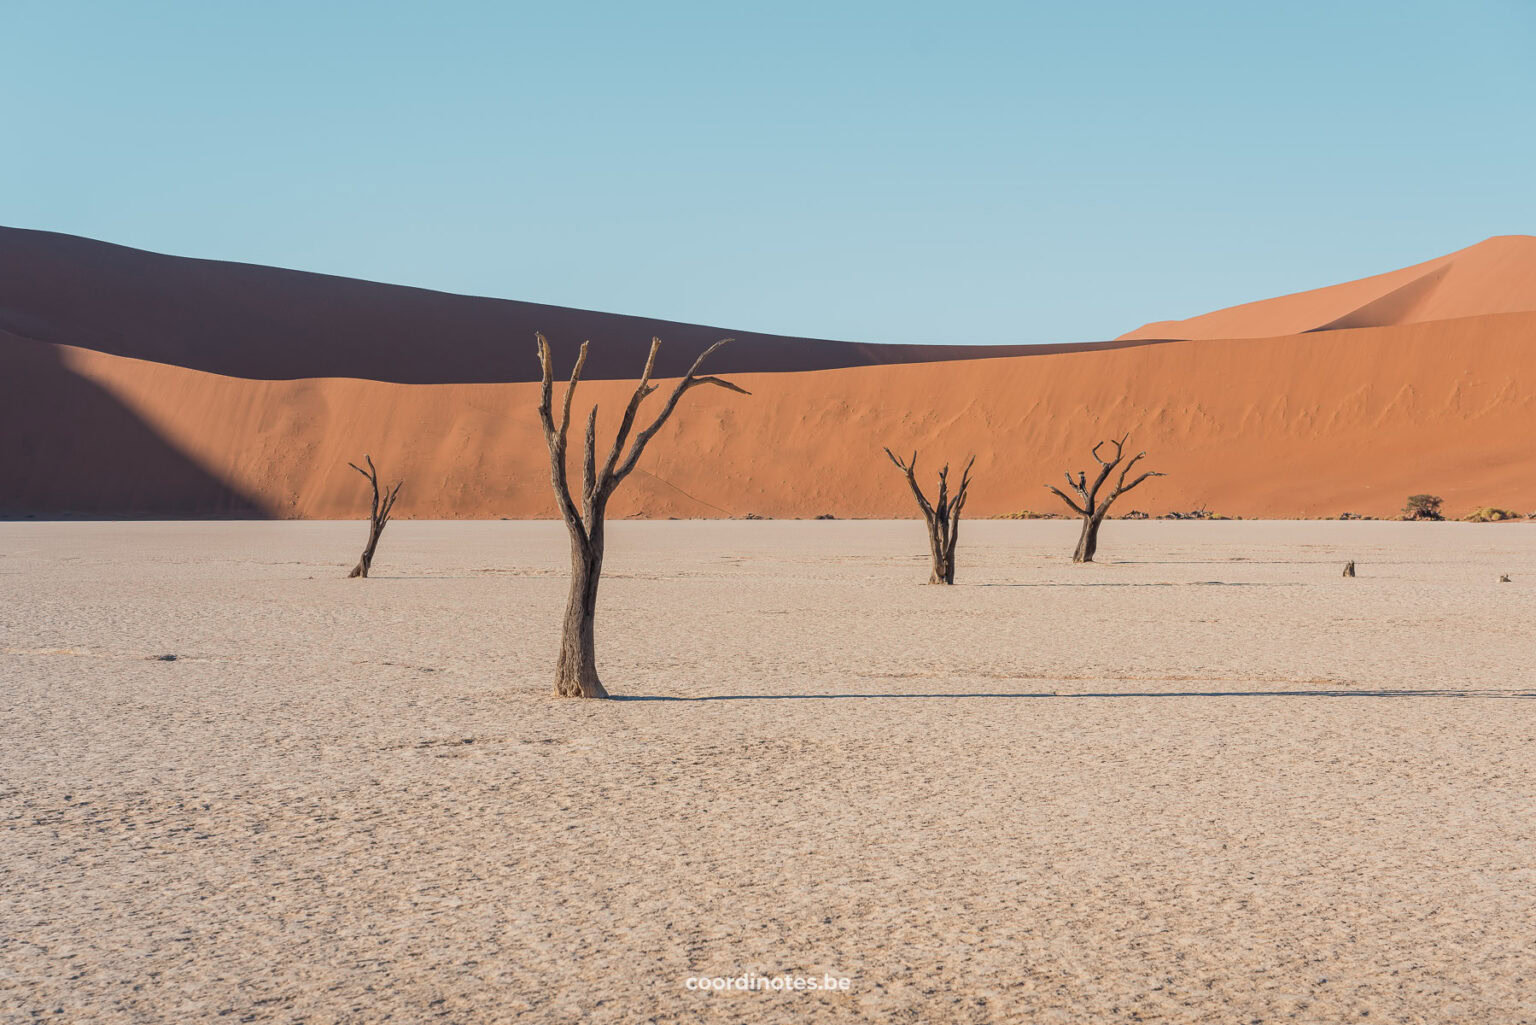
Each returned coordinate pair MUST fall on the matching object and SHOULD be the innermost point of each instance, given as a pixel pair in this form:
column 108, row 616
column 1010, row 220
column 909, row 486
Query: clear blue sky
column 1009, row 172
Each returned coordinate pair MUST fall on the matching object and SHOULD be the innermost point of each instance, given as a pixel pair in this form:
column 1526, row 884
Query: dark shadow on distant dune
column 71, row 448
column 244, row 320
column 1392, row 308
column 1370, row 693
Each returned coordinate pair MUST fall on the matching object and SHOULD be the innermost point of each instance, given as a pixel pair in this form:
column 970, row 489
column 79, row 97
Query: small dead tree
column 576, row 670
column 1349, row 568
column 378, row 514
column 943, row 516
column 1088, row 505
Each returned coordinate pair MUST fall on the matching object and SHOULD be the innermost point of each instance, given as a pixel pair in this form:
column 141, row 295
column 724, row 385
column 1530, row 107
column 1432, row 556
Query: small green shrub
column 1423, row 507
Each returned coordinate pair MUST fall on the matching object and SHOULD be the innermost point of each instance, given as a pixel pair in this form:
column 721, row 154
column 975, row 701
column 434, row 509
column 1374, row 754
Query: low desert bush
column 1491, row 514
column 1423, row 507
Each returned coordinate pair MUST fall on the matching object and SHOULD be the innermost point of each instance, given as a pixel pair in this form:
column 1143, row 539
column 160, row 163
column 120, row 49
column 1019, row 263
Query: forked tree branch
column 555, row 437
column 597, row 483
column 1089, row 493
column 384, row 504
column 381, row 505
column 942, row 516
column 1121, row 487
column 643, row 389
column 689, row 380
column 589, row 465
column 1062, row 495
column 960, row 496
column 910, row 469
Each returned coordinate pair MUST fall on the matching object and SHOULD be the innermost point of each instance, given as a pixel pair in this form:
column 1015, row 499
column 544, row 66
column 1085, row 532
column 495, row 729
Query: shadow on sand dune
column 72, row 449
column 243, row 320
column 1370, row 693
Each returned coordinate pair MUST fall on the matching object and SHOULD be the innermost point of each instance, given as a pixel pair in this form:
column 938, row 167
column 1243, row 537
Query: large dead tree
column 943, row 516
column 1088, row 505
column 576, row 670
column 378, row 514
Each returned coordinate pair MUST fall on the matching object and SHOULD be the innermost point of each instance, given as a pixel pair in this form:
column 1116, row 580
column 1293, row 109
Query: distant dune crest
column 1498, row 275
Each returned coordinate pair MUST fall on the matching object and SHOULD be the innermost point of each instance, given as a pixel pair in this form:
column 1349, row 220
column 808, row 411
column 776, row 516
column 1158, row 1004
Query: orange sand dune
column 1497, row 275
column 1303, row 425
column 139, row 384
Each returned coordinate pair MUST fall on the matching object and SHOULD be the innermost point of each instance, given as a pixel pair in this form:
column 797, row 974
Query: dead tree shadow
column 1376, row 692
column 1158, row 583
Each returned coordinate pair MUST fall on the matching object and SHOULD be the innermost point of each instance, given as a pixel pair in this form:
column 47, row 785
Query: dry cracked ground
column 1207, row 780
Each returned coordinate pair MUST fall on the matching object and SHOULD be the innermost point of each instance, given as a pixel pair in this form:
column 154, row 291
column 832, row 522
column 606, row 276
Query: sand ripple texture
column 1208, row 780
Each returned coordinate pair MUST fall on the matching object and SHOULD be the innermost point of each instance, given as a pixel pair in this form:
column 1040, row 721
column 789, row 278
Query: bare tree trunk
column 943, row 561
column 366, row 562
column 942, row 570
column 576, row 670
column 953, row 539
column 1088, row 542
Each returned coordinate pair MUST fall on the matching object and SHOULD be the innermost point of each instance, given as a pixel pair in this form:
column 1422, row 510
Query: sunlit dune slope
column 1303, row 425
column 1497, row 275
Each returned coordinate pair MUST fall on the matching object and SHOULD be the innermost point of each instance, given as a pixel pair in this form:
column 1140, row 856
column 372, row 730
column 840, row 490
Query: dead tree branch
column 378, row 514
column 942, row 516
column 1088, row 504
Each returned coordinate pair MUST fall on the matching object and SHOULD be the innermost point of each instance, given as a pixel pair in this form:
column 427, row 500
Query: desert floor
column 1207, row 780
